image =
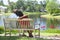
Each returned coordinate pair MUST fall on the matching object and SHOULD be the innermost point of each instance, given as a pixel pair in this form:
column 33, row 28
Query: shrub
column 1, row 30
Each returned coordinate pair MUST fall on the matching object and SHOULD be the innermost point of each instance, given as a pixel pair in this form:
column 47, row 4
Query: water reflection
column 53, row 23
column 38, row 20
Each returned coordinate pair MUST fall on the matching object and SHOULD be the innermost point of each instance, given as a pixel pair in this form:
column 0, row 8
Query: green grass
column 50, row 32
column 19, row 38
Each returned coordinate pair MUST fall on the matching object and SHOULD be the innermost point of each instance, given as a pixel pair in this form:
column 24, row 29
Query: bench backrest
column 18, row 23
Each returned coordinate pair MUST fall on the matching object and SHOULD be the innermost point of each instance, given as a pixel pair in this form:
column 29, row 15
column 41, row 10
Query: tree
column 52, row 6
column 1, row 2
column 20, row 3
column 29, row 5
column 11, row 6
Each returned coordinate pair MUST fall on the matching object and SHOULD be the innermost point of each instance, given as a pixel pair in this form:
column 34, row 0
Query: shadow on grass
column 8, row 38
column 19, row 38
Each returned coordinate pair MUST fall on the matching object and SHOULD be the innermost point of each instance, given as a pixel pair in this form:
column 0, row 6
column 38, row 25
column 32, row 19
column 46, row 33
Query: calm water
column 37, row 21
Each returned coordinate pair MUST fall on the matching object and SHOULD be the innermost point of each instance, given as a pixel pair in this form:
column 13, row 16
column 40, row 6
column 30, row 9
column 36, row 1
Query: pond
column 37, row 21
column 44, row 22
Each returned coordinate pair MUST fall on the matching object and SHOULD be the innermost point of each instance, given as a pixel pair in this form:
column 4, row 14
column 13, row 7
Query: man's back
column 13, row 16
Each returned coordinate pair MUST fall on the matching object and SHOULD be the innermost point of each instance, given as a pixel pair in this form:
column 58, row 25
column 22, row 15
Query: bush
column 1, row 30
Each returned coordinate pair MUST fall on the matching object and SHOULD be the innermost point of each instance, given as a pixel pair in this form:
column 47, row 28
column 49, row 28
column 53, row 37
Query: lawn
column 19, row 38
column 50, row 32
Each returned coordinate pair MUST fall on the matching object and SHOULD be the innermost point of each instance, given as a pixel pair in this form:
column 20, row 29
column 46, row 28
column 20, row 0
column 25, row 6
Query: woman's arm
column 24, row 16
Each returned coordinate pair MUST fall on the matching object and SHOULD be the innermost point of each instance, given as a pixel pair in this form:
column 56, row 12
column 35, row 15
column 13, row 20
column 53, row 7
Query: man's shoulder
column 13, row 16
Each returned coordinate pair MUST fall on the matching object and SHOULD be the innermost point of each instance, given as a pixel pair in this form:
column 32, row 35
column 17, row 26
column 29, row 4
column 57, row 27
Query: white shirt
column 13, row 15
column 13, row 23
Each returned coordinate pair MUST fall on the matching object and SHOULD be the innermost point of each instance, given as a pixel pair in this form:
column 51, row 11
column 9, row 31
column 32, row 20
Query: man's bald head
column 15, row 10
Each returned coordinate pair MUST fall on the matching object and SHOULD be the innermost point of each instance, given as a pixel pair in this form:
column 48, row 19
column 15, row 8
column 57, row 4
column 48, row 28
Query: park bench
column 19, row 24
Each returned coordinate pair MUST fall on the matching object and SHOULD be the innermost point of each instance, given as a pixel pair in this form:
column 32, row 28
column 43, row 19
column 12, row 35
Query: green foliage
column 19, row 3
column 1, row 30
column 11, row 6
column 52, row 7
column 30, row 6
column 52, row 21
column 1, row 2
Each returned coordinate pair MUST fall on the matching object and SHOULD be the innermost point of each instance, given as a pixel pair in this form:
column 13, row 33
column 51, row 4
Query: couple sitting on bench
column 19, row 15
